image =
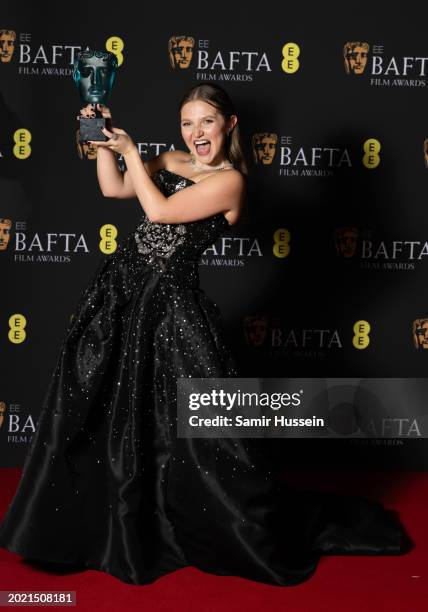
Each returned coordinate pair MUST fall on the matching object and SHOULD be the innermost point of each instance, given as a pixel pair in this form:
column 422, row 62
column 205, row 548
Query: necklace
column 199, row 167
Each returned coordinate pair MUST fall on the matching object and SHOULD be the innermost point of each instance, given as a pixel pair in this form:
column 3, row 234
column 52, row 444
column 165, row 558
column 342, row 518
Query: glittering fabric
column 108, row 485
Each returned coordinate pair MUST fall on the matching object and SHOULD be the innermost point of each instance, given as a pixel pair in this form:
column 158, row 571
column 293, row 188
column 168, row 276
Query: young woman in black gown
column 106, row 483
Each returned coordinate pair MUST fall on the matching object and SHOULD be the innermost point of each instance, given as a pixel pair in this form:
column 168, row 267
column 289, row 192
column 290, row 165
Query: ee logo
column 108, row 243
column 281, row 239
column 115, row 45
column 17, row 333
column 361, row 338
column 22, row 139
column 371, row 149
column 290, row 53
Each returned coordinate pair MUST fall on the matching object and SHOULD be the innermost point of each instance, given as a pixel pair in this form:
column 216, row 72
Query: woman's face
column 202, row 122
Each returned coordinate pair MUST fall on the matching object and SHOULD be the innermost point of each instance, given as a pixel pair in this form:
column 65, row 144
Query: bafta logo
column 420, row 333
column 355, row 57
column 85, row 150
column 426, row 152
column 264, row 147
column 180, row 51
column 5, row 225
column 255, row 329
column 346, row 241
column 7, row 45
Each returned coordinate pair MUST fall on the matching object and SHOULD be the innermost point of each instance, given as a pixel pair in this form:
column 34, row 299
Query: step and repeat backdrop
column 324, row 276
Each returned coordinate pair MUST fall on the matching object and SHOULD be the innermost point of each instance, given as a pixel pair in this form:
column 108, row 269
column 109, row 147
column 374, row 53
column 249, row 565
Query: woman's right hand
column 105, row 111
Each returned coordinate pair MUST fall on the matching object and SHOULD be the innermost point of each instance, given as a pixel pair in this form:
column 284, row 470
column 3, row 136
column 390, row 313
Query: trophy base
column 90, row 129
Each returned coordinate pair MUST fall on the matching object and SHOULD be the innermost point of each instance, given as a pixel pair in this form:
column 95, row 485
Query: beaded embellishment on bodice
column 163, row 238
column 160, row 241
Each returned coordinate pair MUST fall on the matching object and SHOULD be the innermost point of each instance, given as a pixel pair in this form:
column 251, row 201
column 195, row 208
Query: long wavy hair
column 216, row 96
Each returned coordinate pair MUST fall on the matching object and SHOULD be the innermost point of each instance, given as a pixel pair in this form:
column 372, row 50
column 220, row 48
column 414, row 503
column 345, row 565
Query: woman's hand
column 105, row 111
column 119, row 141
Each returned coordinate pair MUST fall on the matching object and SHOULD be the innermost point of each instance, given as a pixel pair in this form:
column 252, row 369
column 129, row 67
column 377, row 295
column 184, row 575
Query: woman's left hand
column 119, row 141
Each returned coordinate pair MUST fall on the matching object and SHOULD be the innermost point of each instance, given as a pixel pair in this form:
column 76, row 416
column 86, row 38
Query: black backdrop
column 329, row 238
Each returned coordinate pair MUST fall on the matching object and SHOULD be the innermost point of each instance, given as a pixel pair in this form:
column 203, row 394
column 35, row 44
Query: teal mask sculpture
column 94, row 74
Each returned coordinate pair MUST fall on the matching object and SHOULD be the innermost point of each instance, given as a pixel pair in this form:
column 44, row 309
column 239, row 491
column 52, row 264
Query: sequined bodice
column 183, row 242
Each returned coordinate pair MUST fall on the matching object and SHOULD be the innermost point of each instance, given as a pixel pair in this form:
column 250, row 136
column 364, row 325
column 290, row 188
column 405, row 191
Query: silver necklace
column 221, row 167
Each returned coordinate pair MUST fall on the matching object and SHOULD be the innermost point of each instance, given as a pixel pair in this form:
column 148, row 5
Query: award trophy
column 93, row 74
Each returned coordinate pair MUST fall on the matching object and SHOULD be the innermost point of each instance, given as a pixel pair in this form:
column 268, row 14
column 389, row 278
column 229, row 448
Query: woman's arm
column 110, row 178
column 114, row 183
column 217, row 193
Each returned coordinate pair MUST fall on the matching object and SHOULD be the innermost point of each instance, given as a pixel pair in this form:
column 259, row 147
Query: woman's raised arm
column 114, row 183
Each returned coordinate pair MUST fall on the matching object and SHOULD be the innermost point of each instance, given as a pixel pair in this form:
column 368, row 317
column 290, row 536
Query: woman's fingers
column 107, row 132
column 110, row 135
column 104, row 143
column 100, row 143
column 118, row 139
column 104, row 110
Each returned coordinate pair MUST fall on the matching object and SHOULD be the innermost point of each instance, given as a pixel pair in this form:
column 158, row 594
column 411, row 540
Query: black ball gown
column 106, row 483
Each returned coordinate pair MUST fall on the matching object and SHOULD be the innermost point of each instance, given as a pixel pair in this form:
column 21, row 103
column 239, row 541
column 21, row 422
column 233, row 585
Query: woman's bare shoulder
column 179, row 162
column 176, row 159
column 167, row 160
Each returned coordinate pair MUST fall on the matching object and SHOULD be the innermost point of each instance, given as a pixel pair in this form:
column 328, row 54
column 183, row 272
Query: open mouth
column 203, row 146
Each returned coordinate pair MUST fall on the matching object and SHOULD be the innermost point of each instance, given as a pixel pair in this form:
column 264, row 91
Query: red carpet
column 340, row 583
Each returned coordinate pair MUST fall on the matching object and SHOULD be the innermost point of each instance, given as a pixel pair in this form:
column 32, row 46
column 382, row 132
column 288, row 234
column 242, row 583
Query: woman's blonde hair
column 216, row 96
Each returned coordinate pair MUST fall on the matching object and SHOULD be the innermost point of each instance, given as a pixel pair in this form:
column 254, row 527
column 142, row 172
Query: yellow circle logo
column 115, row 45
column 17, row 323
column 371, row 149
column 22, row 139
column 108, row 243
column 290, row 53
column 281, row 238
column 361, row 338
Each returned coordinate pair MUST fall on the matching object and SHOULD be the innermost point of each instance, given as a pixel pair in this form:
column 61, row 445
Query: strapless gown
column 108, row 485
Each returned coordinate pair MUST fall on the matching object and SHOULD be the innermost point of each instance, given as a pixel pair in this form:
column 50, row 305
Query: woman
column 107, row 483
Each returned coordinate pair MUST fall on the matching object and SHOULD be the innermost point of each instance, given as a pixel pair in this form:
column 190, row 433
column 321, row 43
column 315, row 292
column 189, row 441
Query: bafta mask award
column 94, row 73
